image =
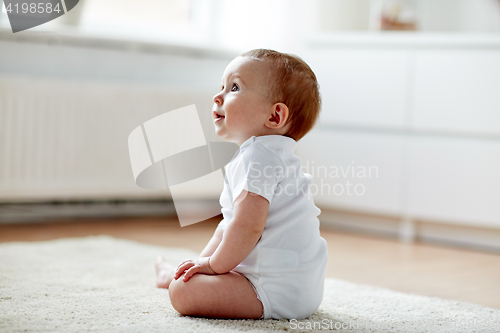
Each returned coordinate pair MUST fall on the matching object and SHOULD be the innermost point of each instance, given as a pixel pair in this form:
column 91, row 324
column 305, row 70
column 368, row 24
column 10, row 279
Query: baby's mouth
column 218, row 118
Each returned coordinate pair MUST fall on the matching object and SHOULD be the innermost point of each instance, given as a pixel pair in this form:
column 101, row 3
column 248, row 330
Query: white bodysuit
column 287, row 265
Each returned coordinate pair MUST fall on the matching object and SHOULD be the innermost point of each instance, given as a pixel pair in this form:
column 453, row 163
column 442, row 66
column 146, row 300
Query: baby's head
column 265, row 92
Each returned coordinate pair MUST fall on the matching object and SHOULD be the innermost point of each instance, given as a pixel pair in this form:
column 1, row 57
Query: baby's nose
column 218, row 99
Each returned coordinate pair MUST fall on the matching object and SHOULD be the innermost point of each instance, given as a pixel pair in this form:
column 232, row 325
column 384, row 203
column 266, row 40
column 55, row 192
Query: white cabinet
column 354, row 170
column 455, row 180
column 457, row 90
column 362, row 86
column 424, row 111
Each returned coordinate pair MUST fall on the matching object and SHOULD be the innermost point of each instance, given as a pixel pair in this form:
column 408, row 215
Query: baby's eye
column 235, row 87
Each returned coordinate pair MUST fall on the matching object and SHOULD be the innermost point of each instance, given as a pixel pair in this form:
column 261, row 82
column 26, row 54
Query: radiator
column 67, row 139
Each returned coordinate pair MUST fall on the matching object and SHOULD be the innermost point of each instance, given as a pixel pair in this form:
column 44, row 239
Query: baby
column 266, row 258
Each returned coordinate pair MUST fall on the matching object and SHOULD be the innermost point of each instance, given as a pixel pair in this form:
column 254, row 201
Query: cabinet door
column 364, row 87
column 354, row 170
column 457, row 90
column 455, row 180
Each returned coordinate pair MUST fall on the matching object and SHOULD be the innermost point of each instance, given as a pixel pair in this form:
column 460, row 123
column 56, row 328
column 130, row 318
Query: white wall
column 68, row 104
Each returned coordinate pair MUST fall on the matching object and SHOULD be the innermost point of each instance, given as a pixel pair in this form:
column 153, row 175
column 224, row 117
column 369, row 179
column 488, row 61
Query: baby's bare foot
column 164, row 273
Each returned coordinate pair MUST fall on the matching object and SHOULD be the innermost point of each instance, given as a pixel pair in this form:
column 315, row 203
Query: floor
column 413, row 268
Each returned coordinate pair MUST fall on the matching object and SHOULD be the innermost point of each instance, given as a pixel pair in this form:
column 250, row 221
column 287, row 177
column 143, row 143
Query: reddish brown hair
column 294, row 84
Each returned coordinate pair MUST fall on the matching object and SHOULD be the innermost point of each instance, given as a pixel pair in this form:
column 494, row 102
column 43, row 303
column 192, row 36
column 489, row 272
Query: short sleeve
column 256, row 170
column 222, row 224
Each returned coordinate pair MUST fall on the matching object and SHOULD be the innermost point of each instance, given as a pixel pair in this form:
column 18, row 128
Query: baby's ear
column 278, row 117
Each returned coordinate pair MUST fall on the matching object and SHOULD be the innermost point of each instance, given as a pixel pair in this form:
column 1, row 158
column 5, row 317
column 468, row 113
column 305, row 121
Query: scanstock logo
column 25, row 14
column 170, row 152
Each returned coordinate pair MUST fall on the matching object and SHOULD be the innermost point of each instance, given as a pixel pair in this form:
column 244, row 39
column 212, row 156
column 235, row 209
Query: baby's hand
column 192, row 267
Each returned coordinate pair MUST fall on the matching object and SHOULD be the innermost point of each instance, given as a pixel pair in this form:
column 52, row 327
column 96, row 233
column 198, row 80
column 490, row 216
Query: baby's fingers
column 182, row 268
column 190, row 272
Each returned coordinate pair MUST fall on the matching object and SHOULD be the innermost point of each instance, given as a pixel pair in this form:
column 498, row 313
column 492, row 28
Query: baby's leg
column 215, row 296
column 164, row 273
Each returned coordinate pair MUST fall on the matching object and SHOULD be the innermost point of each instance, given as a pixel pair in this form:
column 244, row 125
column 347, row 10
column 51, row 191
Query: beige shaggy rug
column 103, row 284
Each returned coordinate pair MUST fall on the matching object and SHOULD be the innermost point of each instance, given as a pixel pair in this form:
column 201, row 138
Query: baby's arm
column 213, row 243
column 240, row 237
column 242, row 233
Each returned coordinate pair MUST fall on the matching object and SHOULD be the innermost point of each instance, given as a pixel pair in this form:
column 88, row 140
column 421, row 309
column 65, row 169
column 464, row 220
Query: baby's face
column 241, row 107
